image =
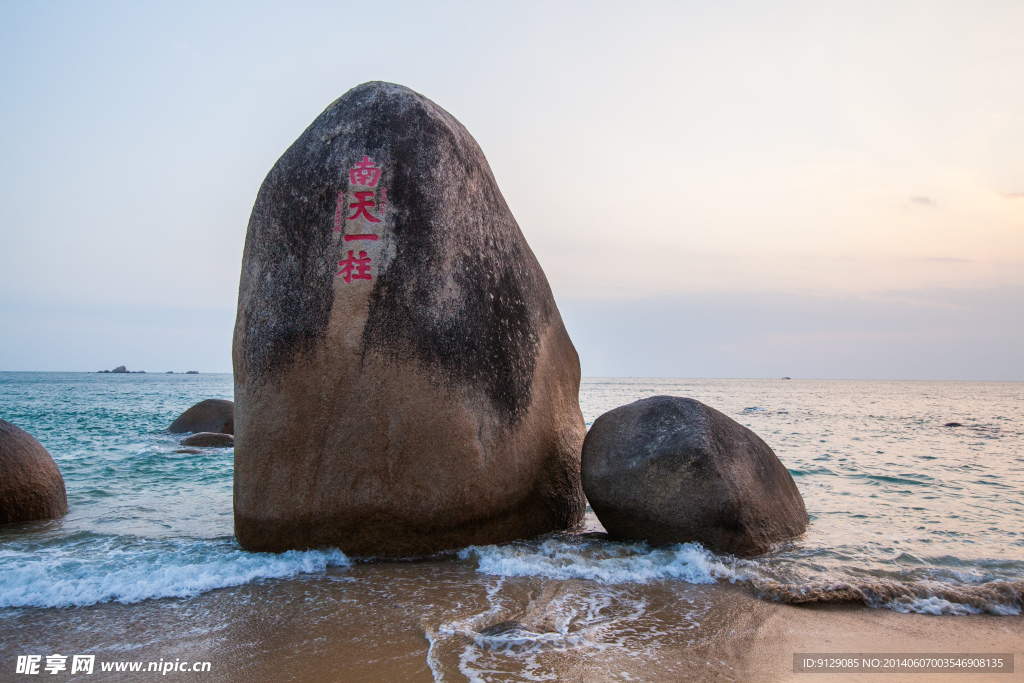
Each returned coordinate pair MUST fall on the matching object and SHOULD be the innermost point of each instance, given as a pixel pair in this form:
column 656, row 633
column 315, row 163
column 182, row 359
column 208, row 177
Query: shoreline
column 430, row 621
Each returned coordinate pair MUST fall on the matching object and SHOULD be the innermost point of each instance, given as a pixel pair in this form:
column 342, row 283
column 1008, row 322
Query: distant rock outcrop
column 673, row 470
column 120, row 369
column 31, row 487
column 209, row 440
column 212, row 415
column 405, row 384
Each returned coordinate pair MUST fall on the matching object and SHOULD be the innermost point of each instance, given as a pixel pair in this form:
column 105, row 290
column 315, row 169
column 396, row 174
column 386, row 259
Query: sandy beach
column 430, row 621
column 783, row 630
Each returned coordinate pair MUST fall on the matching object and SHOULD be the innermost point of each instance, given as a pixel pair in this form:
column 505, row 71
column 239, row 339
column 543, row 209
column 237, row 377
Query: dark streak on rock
column 291, row 225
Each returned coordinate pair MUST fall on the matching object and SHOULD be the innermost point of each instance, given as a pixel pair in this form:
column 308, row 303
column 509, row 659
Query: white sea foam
column 610, row 563
column 1004, row 598
column 526, row 633
column 119, row 571
column 624, row 563
column 930, row 605
column 934, row 604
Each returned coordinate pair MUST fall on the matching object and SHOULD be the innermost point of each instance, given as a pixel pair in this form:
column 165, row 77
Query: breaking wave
column 1004, row 598
column 609, row 562
column 128, row 569
column 604, row 562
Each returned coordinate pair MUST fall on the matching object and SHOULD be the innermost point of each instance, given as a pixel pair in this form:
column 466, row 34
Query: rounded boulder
column 673, row 470
column 403, row 379
column 31, row 486
column 212, row 415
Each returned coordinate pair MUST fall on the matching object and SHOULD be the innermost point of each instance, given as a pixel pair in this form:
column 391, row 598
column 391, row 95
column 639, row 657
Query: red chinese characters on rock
column 353, row 268
column 364, row 202
column 367, row 175
column 364, row 173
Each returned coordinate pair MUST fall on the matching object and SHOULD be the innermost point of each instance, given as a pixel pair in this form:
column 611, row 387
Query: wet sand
column 444, row 621
column 784, row 630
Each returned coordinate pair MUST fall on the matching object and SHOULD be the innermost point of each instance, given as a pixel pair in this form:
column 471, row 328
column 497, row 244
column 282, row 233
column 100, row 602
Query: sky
column 735, row 189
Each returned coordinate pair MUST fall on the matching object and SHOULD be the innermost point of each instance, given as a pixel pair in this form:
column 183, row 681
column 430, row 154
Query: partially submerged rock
column 673, row 470
column 209, row 440
column 31, row 487
column 404, row 381
column 211, row 415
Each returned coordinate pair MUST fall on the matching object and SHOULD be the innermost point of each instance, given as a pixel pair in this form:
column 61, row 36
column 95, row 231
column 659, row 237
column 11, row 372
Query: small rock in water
column 952, row 424
column 191, row 372
column 209, row 440
column 404, row 380
column 31, row 486
column 673, row 470
column 211, row 415
column 120, row 369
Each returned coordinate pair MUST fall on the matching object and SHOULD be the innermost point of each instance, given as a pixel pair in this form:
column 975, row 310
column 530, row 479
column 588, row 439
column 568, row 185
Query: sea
column 915, row 491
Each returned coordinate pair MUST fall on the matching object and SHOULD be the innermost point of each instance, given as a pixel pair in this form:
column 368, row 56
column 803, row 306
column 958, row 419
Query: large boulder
column 404, row 381
column 211, row 415
column 31, row 487
column 673, row 470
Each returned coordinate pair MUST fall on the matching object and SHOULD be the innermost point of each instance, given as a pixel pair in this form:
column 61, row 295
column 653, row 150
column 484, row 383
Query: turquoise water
column 905, row 513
